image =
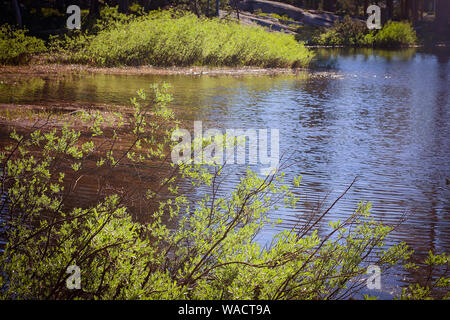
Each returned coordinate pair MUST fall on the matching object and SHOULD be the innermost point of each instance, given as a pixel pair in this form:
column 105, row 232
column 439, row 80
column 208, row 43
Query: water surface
column 383, row 117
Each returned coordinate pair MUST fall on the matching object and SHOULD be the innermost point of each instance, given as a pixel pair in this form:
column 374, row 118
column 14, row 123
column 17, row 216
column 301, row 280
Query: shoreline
column 37, row 68
column 58, row 69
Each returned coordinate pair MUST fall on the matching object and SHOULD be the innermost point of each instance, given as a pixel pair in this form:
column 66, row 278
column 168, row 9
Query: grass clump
column 179, row 39
column 351, row 33
column 16, row 47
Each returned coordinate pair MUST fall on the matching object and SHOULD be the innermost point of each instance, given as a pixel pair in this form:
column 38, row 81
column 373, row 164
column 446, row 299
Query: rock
column 320, row 19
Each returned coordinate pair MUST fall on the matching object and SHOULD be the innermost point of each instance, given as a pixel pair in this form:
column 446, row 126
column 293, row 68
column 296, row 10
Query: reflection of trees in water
column 14, row 92
column 397, row 104
column 328, row 58
column 441, row 139
column 310, row 142
column 432, row 209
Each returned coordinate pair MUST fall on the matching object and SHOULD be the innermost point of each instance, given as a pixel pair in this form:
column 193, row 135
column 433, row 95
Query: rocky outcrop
column 248, row 14
column 269, row 23
column 320, row 19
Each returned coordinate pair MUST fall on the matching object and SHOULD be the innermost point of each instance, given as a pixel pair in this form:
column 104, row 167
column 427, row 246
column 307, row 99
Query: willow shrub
column 355, row 34
column 182, row 249
column 174, row 39
column 395, row 34
column 16, row 47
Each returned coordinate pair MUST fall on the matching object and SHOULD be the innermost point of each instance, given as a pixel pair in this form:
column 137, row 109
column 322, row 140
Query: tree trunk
column 442, row 12
column 61, row 6
column 17, row 13
column 421, row 9
column 147, row 4
column 329, row 5
column 217, row 7
column 406, row 5
column 390, row 7
column 194, row 7
column 404, row 9
column 366, row 5
column 414, row 11
column 94, row 10
column 123, row 6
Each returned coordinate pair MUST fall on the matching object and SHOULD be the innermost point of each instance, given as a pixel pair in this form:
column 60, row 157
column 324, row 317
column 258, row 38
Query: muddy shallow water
column 383, row 117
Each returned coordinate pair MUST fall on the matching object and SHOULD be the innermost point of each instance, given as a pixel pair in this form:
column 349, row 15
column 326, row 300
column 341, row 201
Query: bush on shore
column 395, row 34
column 182, row 39
column 349, row 32
column 16, row 47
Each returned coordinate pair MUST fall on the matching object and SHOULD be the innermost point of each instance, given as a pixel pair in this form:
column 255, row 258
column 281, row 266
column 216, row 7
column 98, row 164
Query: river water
column 381, row 116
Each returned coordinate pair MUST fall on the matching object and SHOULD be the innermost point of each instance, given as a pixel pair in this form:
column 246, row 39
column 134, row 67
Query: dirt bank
column 9, row 73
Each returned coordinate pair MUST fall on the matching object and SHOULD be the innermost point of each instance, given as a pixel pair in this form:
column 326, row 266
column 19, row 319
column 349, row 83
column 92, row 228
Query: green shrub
column 110, row 17
column 435, row 284
column 347, row 32
column 355, row 34
column 395, row 34
column 175, row 39
column 306, row 33
column 184, row 249
column 16, row 47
